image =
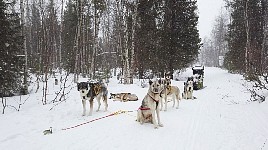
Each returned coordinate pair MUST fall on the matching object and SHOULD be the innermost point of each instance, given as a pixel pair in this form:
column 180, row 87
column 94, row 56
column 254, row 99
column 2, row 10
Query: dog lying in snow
column 149, row 109
column 89, row 91
column 123, row 97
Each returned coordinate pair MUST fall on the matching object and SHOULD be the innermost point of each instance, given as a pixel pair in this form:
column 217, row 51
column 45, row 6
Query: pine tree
column 245, row 37
column 146, row 37
column 11, row 46
column 180, row 39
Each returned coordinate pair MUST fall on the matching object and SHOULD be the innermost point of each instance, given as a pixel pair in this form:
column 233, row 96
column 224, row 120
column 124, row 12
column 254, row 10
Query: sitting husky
column 188, row 89
column 149, row 108
column 89, row 91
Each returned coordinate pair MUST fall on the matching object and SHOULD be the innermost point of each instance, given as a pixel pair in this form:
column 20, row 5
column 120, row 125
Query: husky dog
column 169, row 91
column 168, row 75
column 188, row 89
column 89, row 91
column 149, row 108
column 123, row 97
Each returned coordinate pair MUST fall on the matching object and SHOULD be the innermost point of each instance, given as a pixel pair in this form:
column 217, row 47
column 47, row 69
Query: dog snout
column 156, row 90
column 83, row 91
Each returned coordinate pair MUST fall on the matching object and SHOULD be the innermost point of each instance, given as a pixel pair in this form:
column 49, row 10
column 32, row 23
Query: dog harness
column 146, row 108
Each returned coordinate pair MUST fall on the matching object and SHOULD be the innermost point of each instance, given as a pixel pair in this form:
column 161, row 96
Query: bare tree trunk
column 37, row 82
column 4, row 103
column 134, row 21
column 25, row 86
column 126, row 58
column 95, row 43
column 247, row 48
column 78, row 39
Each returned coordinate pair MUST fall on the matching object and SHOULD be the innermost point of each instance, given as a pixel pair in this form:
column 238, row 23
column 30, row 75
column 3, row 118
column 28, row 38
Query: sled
column 198, row 75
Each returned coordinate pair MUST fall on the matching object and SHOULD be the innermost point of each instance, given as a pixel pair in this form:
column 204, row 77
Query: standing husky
column 150, row 105
column 89, row 91
column 169, row 91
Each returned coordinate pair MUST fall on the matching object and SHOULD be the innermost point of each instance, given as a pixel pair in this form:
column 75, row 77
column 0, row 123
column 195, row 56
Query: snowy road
column 221, row 118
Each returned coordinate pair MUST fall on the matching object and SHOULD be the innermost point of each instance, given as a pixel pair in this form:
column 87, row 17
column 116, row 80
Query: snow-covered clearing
column 221, row 118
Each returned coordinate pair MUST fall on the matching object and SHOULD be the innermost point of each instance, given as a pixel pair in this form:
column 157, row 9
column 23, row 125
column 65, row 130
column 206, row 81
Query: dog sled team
column 153, row 102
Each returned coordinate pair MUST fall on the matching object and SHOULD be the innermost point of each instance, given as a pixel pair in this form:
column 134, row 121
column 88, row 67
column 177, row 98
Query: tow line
column 112, row 114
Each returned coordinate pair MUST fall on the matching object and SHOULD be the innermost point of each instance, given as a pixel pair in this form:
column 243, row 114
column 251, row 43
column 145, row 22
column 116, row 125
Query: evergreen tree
column 11, row 46
column 146, row 37
column 235, row 57
column 180, row 39
column 245, row 36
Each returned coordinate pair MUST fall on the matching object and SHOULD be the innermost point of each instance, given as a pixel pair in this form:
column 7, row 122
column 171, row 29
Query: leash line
column 112, row 114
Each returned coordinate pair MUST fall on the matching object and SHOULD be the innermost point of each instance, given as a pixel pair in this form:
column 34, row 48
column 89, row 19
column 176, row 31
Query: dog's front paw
column 177, row 107
column 156, row 127
column 84, row 113
column 160, row 125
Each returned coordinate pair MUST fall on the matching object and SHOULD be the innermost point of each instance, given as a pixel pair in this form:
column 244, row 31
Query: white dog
column 149, row 108
column 174, row 93
column 88, row 91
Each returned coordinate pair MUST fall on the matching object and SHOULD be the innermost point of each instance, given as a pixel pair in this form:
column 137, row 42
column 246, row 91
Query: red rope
column 144, row 108
column 115, row 113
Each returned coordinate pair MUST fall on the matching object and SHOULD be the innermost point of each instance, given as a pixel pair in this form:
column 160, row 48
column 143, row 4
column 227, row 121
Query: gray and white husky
column 89, row 91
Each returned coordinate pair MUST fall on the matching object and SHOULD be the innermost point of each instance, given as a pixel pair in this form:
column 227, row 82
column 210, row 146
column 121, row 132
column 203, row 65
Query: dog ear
column 150, row 82
column 110, row 96
column 159, row 81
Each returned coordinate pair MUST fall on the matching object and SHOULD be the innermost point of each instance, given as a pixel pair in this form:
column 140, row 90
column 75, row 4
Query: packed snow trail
column 221, row 118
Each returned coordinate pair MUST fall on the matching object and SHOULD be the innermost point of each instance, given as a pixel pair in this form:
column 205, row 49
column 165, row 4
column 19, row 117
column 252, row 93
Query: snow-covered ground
column 221, row 118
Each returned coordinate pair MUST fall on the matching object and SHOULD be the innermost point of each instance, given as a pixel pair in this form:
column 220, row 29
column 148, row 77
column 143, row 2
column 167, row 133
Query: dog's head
column 188, row 86
column 155, row 86
column 190, row 79
column 112, row 96
column 168, row 82
column 83, row 88
column 167, row 75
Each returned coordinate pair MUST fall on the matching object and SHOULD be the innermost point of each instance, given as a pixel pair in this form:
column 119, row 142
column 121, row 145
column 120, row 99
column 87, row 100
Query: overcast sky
column 208, row 10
